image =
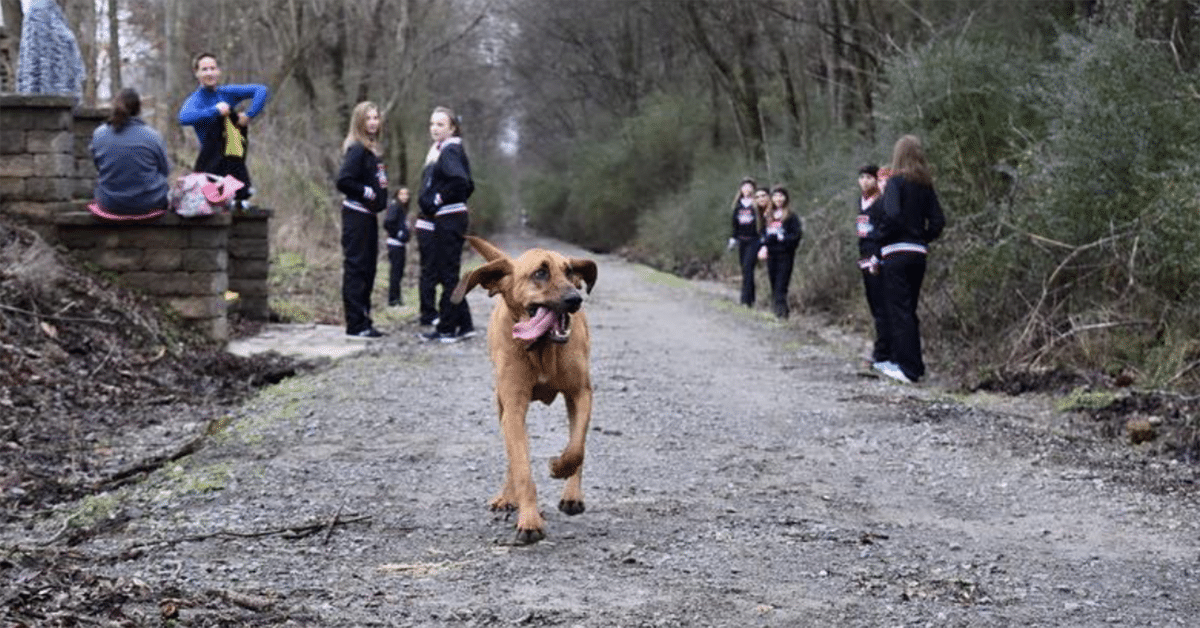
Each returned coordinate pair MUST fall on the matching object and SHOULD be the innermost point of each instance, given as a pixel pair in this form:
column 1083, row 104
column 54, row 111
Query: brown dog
column 538, row 341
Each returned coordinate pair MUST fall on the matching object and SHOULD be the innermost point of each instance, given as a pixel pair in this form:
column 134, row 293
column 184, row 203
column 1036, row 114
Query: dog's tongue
column 533, row 328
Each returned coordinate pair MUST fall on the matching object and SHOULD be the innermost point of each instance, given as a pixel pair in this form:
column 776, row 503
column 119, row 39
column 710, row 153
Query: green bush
column 595, row 196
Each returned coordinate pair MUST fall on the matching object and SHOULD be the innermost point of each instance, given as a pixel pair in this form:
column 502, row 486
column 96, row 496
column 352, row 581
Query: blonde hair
column 908, row 159
column 358, row 128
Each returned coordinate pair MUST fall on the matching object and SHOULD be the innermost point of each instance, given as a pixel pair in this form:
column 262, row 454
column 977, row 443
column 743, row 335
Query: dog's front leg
column 519, row 483
column 570, row 463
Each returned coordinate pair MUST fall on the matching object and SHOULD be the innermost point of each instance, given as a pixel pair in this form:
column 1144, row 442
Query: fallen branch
column 332, row 524
column 288, row 532
column 51, row 317
column 150, row 465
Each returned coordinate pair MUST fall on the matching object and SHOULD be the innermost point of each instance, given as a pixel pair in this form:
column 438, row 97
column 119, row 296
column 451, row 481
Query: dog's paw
column 529, row 537
column 572, row 506
column 564, row 466
column 502, row 504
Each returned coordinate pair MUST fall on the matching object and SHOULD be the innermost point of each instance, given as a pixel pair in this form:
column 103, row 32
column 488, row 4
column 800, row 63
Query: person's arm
column 935, row 220
column 392, row 220
column 255, row 93
column 456, row 175
column 351, row 180
column 193, row 110
column 792, row 230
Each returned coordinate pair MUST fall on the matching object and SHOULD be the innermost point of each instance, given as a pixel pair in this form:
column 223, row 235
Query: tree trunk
column 114, row 49
column 81, row 14
column 13, row 18
column 338, row 54
column 371, row 54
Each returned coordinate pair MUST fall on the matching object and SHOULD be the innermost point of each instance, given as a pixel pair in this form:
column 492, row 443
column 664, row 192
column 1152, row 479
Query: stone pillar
column 250, row 263
column 38, row 159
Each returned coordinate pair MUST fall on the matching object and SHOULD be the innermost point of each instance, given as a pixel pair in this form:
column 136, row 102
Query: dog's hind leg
column 519, row 483
column 569, row 464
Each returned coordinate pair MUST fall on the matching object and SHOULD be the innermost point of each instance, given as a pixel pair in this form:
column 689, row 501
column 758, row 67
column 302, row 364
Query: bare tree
column 81, row 15
column 114, row 48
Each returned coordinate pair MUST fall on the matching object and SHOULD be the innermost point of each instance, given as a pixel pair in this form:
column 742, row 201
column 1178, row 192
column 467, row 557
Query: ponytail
column 126, row 105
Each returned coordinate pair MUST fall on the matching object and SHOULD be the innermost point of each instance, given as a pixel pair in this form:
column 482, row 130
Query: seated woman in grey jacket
column 131, row 164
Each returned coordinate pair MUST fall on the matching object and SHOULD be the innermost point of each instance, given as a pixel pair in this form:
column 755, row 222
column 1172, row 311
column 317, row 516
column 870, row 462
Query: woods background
column 1061, row 135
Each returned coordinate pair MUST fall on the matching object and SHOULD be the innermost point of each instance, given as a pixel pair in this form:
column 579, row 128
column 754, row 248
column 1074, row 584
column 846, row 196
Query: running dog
column 539, row 345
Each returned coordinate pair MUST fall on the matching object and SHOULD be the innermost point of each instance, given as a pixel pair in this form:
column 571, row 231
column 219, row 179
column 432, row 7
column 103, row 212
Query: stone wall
column 183, row 262
column 46, row 181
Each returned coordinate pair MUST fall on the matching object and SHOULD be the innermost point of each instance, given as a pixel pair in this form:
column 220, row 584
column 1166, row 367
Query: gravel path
column 740, row 472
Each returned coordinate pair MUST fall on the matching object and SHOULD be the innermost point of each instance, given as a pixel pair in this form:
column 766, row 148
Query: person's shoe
column 437, row 336
column 892, row 370
column 468, row 333
column 369, row 332
column 432, row 323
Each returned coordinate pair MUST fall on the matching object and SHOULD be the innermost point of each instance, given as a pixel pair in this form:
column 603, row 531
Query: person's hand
column 732, row 243
column 243, row 119
column 223, row 108
column 368, row 193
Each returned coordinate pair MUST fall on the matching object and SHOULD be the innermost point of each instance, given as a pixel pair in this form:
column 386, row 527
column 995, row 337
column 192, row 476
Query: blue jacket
column 200, row 112
column 132, row 168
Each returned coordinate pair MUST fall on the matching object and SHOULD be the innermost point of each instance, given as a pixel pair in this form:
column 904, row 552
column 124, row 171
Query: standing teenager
column 445, row 187
column 363, row 180
column 395, row 225
column 912, row 218
column 221, row 129
column 781, row 235
column 744, row 236
column 870, row 183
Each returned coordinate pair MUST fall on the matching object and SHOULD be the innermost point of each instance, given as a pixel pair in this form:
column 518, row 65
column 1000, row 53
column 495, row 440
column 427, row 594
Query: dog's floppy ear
column 485, row 248
column 489, row 276
column 586, row 269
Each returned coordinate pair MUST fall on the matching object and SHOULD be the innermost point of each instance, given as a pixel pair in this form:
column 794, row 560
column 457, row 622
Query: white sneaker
column 891, row 370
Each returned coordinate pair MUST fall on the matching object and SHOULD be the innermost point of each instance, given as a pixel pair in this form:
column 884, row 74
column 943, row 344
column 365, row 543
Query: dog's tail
column 485, row 248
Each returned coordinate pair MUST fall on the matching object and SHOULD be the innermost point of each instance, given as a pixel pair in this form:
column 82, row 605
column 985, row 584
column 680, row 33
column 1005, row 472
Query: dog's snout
column 572, row 300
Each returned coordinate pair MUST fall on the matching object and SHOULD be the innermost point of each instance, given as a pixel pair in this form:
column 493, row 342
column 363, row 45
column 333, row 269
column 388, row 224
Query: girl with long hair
column 781, row 235
column 912, row 218
column 744, row 235
column 363, row 180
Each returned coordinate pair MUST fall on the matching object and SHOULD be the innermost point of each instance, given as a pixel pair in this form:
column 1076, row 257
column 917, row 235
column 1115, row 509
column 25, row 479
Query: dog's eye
column 541, row 274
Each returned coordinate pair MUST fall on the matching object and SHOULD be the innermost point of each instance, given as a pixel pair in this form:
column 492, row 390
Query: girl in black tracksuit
column 781, row 236
column 745, row 234
column 395, row 225
column 363, row 181
column 870, row 205
column 445, row 187
column 912, row 218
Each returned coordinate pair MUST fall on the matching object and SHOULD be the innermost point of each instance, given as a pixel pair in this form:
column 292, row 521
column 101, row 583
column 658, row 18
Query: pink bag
column 203, row 194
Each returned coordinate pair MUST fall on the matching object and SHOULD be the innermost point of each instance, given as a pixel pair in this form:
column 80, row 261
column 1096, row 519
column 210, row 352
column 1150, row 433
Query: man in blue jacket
column 210, row 110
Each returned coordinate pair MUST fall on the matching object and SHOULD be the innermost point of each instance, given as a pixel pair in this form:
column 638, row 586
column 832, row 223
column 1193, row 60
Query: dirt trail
column 740, row 472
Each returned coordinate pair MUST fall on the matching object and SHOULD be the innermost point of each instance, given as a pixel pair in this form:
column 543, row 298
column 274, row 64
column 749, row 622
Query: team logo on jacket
column 864, row 226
